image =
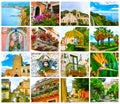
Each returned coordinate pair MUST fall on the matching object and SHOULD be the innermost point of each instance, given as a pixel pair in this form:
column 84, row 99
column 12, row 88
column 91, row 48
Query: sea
column 111, row 16
column 10, row 17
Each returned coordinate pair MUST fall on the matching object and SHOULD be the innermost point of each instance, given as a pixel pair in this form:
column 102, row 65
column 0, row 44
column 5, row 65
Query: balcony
column 46, row 92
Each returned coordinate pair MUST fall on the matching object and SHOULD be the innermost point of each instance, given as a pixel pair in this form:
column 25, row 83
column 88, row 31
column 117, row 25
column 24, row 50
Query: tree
column 81, row 83
column 85, row 32
column 113, row 90
column 100, row 34
column 97, row 89
column 116, row 39
column 109, row 36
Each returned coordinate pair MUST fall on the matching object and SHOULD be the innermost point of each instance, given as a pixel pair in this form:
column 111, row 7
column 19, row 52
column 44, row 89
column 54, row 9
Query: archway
column 37, row 11
column 22, row 44
column 16, row 75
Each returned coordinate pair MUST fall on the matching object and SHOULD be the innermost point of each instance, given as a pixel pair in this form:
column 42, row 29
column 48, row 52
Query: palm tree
column 116, row 39
column 101, row 33
column 96, row 37
column 109, row 36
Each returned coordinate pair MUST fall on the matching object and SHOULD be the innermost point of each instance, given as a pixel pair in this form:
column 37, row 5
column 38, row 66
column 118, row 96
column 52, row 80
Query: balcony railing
column 46, row 91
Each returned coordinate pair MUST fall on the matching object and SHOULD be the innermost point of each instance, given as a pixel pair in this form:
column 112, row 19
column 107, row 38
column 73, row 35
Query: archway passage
column 37, row 11
column 16, row 75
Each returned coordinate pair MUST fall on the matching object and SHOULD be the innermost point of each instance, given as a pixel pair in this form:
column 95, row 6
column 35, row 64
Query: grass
column 113, row 47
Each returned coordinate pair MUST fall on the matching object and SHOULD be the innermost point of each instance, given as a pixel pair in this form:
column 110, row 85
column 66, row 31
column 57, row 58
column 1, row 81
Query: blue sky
column 93, row 29
column 7, row 60
column 81, row 6
column 103, row 6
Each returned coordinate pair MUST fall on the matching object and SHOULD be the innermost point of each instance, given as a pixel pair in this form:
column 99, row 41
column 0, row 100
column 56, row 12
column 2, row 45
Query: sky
column 103, row 6
column 81, row 6
column 7, row 59
column 108, row 80
column 93, row 29
column 15, row 82
column 64, row 30
column 69, row 84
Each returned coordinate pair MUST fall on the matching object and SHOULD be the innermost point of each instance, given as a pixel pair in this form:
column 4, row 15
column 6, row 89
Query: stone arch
column 37, row 10
column 8, row 39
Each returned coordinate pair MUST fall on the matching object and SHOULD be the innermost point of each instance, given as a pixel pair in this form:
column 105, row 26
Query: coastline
column 18, row 15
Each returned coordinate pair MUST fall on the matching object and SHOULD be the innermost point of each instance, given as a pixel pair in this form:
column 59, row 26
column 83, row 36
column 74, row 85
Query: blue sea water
column 10, row 17
column 111, row 16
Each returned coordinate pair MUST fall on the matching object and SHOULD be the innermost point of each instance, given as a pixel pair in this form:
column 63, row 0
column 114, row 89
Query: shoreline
column 19, row 15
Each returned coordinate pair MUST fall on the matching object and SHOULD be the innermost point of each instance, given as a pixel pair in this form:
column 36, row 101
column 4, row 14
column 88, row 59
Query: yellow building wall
column 25, row 68
column 6, row 94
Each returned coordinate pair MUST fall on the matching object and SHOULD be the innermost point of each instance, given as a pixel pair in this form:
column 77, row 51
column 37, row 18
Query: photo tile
column 15, row 65
column 74, row 39
column 15, row 13
column 74, row 89
column 104, row 90
column 74, row 64
column 104, row 39
column 45, row 65
column 105, row 13
column 15, row 90
column 104, row 64
column 45, row 13
column 74, row 13
column 45, row 39
column 15, row 39
column 45, row 90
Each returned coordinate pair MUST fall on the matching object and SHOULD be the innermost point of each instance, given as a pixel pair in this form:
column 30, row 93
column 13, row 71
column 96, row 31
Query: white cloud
column 5, row 67
column 3, row 57
column 107, row 12
column 92, row 8
column 114, row 9
column 26, row 57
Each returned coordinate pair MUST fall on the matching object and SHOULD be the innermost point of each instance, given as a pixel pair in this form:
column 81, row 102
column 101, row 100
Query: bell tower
column 77, row 14
column 17, row 63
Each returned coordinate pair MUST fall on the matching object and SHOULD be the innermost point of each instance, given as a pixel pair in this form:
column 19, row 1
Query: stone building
column 18, row 69
column 69, row 18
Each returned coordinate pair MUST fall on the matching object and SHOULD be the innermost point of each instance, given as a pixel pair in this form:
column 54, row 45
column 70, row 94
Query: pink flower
column 12, row 43
column 57, row 15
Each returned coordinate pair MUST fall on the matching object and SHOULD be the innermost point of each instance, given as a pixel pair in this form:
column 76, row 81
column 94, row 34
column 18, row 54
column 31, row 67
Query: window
column 23, row 71
column 28, row 70
column 3, row 95
column 74, row 61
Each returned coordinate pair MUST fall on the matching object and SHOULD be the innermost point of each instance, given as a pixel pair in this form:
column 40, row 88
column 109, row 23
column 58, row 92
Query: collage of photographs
column 59, row 51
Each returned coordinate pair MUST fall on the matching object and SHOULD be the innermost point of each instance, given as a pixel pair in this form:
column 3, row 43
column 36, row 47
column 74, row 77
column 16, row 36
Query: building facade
column 5, row 89
column 18, row 69
column 45, row 90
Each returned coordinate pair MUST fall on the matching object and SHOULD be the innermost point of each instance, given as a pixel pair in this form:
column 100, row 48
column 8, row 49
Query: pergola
column 76, row 34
